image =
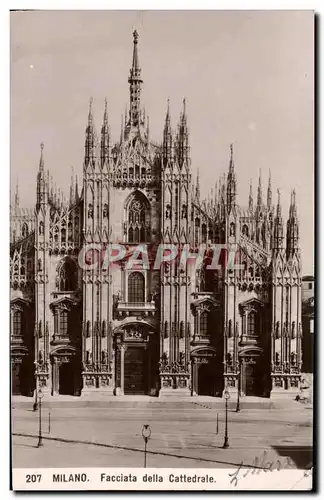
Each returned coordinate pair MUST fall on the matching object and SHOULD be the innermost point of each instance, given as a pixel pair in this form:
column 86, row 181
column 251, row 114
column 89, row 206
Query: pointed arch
column 67, row 275
column 137, row 218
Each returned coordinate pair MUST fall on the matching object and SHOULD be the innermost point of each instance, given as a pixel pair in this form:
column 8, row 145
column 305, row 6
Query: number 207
column 33, row 478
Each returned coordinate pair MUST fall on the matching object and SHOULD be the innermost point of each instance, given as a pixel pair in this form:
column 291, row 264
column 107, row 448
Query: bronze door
column 206, row 379
column 134, row 370
column 66, row 379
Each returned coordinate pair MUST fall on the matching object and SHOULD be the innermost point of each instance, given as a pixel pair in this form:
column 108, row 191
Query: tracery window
column 138, row 219
column 136, row 287
column 67, row 279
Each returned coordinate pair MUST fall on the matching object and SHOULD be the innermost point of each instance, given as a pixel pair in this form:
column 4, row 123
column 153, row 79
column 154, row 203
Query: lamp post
column 227, row 397
column 238, row 390
column 40, row 438
column 35, row 405
column 146, row 433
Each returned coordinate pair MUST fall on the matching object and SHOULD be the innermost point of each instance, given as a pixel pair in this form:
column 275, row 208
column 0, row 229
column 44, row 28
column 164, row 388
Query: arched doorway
column 21, row 374
column 207, row 372
column 253, row 372
column 135, row 359
column 206, row 378
column 66, row 372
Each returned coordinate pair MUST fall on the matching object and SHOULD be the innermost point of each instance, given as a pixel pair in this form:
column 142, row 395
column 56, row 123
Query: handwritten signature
column 260, row 464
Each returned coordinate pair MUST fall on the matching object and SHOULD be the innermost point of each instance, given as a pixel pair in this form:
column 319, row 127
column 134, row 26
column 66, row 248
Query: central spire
column 135, row 82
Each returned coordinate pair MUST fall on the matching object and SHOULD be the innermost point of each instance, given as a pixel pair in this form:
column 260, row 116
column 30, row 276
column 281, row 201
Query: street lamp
column 40, row 438
column 238, row 390
column 35, row 405
column 227, row 397
column 146, row 433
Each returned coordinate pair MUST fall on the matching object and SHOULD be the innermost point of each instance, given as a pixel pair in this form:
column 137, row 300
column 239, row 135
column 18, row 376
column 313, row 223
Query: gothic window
column 136, row 287
column 251, row 324
column 131, row 171
column 17, row 323
column 168, row 212
column 184, row 212
column 138, row 219
column 204, row 233
column 63, row 323
column 67, row 276
column 24, row 231
column 130, row 235
column 137, row 170
column 245, row 230
column 105, row 211
column 63, row 235
column 143, row 171
column 41, row 228
column 70, row 232
column 203, row 323
column 210, row 234
column 232, row 229
column 90, row 211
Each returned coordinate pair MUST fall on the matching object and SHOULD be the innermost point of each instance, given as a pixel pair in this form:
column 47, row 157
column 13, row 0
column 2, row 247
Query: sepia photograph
column 162, row 280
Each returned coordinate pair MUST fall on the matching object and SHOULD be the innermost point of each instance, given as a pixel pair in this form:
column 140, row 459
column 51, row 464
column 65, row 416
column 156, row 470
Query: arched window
column 63, row 323
column 90, row 211
column 41, row 228
column 251, row 324
column 203, row 323
column 17, row 323
column 105, row 211
column 168, row 212
column 138, row 219
column 67, row 276
column 136, row 287
column 24, row 231
column 245, row 230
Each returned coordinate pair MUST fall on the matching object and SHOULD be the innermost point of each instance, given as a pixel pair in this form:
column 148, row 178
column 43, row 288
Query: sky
column 247, row 76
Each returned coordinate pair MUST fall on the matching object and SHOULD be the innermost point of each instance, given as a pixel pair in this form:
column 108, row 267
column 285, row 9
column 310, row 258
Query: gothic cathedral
column 174, row 330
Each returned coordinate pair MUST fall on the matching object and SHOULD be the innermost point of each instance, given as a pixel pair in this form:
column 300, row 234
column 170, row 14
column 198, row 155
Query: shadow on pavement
column 302, row 456
column 91, row 443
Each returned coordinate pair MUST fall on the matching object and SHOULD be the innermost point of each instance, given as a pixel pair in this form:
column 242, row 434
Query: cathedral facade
column 172, row 329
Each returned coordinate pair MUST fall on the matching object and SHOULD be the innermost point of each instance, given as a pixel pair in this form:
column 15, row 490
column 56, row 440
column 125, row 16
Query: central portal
column 135, row 370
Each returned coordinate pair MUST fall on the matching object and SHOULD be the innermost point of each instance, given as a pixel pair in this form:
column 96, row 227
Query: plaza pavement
column 184, row 433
